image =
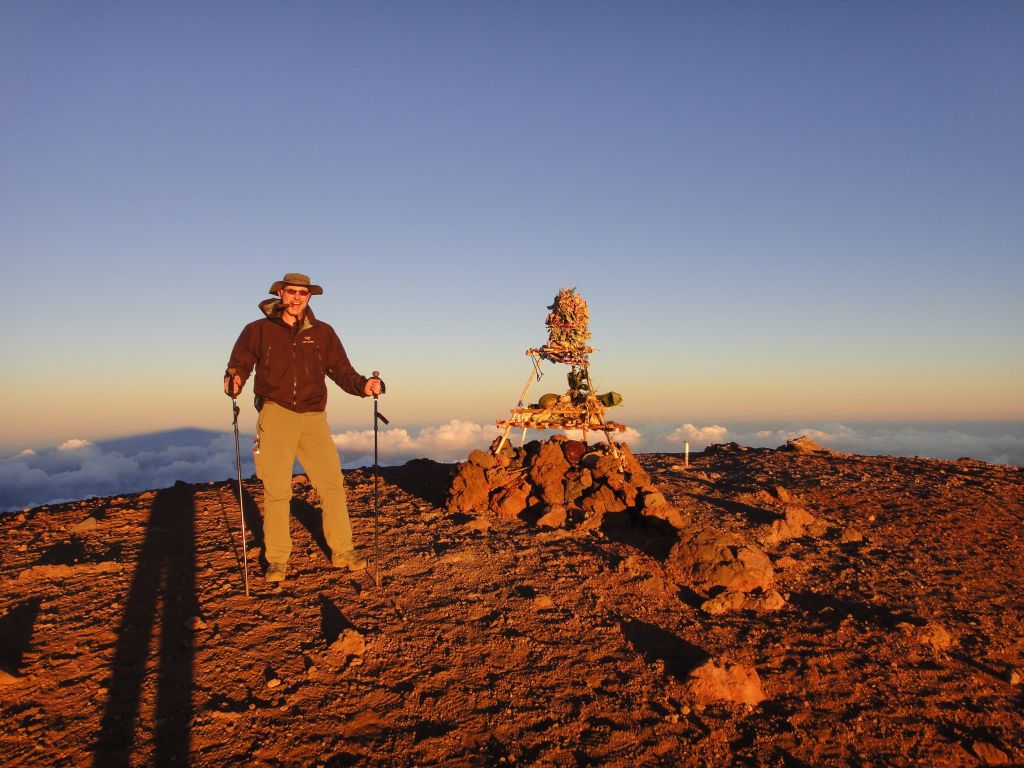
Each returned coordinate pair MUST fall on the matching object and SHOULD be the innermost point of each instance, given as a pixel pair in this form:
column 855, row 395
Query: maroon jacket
column 291, row 361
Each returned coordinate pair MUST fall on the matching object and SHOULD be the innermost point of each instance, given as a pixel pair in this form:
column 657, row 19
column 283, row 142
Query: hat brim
column 316, row 290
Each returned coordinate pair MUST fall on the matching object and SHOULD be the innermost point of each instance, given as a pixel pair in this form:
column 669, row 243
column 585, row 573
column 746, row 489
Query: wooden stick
column 529, row 382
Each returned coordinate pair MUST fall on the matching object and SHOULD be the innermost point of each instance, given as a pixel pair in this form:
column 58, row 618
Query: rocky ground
column 883, row 628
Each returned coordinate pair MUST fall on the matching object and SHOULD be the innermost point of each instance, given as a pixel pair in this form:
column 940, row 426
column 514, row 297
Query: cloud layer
column 446, row 442
column 1004, row 446
column 78, row 468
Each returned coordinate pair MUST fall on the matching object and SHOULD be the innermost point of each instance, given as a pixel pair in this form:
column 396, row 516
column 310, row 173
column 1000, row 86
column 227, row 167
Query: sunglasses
column 296, row 292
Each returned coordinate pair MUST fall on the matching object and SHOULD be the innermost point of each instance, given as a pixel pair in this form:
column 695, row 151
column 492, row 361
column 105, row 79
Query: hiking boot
column 351, row 560
column 275, row 572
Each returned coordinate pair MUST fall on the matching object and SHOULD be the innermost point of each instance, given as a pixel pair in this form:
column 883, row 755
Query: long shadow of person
column 164, row 582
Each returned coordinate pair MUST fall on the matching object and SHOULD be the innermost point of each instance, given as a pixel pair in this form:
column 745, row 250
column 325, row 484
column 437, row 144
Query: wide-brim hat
column 297, row 279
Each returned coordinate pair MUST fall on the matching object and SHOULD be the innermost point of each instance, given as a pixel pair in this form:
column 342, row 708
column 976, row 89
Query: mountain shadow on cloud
column 171, row 438
column 80, row 469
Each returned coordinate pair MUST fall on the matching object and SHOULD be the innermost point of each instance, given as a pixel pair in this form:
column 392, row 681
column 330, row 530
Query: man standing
column 292, row 352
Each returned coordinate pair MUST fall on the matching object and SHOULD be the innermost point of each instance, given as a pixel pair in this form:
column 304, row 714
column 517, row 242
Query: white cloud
column 74, row 444
column 629, row 435
column 445, row 442
column 698, row 437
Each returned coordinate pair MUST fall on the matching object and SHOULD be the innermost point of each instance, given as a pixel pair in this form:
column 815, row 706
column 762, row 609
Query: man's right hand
column 232, row 385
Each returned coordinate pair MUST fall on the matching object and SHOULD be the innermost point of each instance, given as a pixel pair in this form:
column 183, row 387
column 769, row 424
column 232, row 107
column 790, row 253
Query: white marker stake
column 686, row 449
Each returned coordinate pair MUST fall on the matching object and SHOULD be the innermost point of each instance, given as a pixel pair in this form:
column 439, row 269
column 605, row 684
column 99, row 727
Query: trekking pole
column 241, row 505
column 377, row 416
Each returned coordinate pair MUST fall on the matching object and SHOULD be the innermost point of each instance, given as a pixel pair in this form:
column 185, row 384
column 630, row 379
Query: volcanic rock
column 935, row 635
column 507, row 501
column 851, row 536
column 706, row 558
column 989, row 754
column 726, row 602
column 349, row 643
column 547, row 472
column 88, row 524
column 654, row 504
column 482, row 459
column 553, row 517
column 469, row 490
column 729, row 682
column 802, row 444
column 795, row 522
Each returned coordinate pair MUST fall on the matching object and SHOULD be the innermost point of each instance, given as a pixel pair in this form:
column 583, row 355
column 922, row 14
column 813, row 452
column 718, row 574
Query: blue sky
column 778, row 212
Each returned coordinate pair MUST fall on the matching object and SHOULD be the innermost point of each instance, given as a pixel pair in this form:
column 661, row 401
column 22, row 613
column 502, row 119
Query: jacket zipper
column 295, row 378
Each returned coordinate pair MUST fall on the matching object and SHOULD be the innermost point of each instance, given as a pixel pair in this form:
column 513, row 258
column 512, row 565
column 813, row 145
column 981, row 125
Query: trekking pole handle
column 376, row 375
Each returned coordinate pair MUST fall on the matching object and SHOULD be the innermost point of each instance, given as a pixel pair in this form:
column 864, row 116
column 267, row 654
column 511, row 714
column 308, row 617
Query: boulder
column 654, row 504
column 483, row 459
column 600, row 501
column 794, row 523
column 707, row 559
column 935, row 635
column 851, row 535
column 511, row 501
column 802, row 444
column 726, row 602
column 574, row 450
column 89, row 524
column 989, row 753
column 547, row 472
column 349, row 643
column 553, row 517
column 470, row 490
column 728, row 682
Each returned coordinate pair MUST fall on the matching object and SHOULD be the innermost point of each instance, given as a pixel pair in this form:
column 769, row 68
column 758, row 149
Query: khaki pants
column 285, row 435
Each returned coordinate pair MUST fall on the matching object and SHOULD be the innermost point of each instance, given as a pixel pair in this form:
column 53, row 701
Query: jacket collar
column 273, row 310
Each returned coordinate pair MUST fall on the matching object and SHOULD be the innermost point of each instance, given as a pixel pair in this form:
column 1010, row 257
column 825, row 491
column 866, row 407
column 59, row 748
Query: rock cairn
column 564, row 483
column 560, row 483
